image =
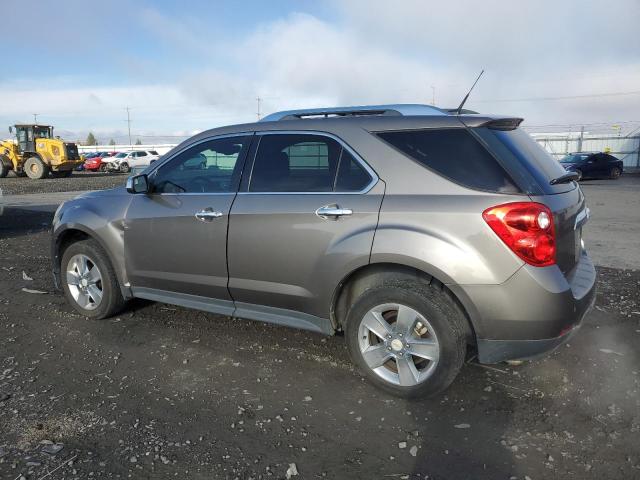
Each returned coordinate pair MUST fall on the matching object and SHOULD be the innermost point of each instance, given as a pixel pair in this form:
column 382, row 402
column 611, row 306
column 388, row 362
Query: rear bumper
column 532, row 313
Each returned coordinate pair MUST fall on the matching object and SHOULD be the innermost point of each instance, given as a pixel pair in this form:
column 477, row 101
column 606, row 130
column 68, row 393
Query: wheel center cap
column 84, row 282
column 396, row 344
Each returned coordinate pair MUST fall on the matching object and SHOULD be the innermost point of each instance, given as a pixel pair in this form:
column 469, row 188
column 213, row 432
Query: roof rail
column 363, row 110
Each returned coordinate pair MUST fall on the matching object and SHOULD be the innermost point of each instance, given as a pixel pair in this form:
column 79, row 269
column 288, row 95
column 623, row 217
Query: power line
column 568, row 97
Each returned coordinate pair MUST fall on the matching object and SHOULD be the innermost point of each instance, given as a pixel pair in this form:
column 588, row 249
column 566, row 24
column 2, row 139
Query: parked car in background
column 422, row 235
column 593, row 164
column 124, row 161
column 98, row 162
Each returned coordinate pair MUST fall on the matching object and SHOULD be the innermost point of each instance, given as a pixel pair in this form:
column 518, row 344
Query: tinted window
column 295, row 163
column 352, row 177
column 455, row 154
column 210, row 167
column 153, row 152
column 523, row 156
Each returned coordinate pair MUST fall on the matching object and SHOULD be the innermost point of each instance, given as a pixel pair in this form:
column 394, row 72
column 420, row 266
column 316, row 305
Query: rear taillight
column 527, row 229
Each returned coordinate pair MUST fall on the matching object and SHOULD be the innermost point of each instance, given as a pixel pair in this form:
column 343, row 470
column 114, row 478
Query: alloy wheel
column 84, row 281
column 398, row 344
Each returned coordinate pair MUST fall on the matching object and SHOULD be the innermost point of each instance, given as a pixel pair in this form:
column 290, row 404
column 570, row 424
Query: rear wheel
column 4, row 170
column 614, row 173
column 89, row 281
column 408, row 339
column 36, row 168
column 103, row 167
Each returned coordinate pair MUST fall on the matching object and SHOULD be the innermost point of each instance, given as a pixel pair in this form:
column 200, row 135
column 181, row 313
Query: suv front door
column 176, row 236
column 304, row 217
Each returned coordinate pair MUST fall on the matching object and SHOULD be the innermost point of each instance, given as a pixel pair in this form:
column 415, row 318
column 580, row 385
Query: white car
column 125, row 161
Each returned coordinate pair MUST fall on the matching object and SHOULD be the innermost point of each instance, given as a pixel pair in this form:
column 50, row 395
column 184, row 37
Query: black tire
column 579, row 172
column 65, row 174
column 447, row 321
column 112, row 300
column 35, row 168
column 4, row 170
column 103, row 167
column 614, row 173
column 124, row 167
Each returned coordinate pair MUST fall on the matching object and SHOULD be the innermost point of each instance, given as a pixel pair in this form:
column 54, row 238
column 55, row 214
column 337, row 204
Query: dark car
column 592, row 164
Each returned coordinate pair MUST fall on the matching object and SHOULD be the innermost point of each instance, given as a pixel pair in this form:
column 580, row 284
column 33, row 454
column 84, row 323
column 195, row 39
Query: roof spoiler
column 503, row 124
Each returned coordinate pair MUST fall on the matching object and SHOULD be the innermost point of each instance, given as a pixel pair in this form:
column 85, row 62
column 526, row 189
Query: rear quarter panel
column 444, row 236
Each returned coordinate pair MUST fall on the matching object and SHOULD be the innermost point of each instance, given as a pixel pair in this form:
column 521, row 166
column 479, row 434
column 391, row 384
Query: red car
column 96, row 163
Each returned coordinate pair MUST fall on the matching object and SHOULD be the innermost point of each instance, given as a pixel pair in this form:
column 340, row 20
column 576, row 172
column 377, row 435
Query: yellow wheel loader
column 36, row 153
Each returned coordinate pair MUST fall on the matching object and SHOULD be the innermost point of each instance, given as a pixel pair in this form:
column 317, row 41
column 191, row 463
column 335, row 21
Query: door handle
column 333, row 212
column 208, row 214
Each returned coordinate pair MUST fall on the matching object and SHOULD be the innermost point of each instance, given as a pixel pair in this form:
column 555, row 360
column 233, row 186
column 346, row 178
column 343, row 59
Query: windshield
column 121, row 155
column 573, row 158
column 42, row 132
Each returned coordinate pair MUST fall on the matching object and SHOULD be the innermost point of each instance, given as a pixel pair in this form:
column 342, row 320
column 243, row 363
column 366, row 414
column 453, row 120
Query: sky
column 182, row 67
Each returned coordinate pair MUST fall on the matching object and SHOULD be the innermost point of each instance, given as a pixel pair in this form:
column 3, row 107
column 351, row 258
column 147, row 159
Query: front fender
column 100, row 220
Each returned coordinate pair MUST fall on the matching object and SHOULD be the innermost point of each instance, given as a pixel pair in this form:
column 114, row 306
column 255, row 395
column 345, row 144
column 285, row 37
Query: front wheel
column 89, row 281
column 408, row 339
column 614, row 173
column 124, row 167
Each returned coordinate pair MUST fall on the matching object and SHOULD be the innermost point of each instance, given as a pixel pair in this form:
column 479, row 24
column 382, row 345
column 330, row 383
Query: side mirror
column 138, row 184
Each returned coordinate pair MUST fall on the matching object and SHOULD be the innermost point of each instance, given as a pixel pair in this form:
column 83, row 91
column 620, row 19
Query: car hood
column 103, row 193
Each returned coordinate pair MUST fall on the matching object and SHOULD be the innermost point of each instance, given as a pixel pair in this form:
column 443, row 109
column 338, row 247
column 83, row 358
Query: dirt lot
column 79, row 181
column 162, row 391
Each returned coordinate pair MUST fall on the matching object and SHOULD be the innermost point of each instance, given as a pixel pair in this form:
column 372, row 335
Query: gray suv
column 426, row 236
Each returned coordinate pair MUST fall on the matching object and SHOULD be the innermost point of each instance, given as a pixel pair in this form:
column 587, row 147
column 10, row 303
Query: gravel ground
column 161, row 391
column 77, row 182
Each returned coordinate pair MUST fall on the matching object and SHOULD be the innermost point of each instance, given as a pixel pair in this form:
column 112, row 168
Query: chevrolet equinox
column 425, row 235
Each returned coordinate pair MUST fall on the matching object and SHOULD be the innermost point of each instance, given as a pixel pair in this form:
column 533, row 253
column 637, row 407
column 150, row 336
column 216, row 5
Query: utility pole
column 433, row 95
column 35, row 118
column 581, row 138
column 258, row 112
column 129, row 126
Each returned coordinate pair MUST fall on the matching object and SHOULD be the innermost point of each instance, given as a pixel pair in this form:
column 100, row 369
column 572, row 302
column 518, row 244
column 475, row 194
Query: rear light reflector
column 527, row 229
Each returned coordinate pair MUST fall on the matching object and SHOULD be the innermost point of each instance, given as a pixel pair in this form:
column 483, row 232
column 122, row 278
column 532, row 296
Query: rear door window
column 305, row 163
column 454, row 154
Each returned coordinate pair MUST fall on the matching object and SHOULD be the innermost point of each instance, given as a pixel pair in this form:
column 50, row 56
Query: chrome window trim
column 356, row 156
column 184, row 149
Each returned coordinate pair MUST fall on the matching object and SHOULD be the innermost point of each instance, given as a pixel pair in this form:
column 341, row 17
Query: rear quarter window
column 455, row 154
column 528, row 162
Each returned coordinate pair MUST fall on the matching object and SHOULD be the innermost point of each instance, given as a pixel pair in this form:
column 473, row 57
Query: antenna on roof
column 459, row 111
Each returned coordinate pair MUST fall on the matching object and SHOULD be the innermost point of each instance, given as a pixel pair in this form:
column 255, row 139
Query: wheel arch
column 71, row 234
column 377, row 274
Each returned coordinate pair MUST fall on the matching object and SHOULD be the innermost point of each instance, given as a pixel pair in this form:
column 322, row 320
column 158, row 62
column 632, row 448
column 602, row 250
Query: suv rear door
column 305, row 216
column 176, row 236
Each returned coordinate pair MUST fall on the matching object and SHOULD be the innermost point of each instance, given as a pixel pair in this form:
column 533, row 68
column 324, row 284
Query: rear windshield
column 529, row 164
column 455, row 154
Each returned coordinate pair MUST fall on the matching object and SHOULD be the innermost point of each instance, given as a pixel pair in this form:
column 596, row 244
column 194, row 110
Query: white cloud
column 374, row 52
